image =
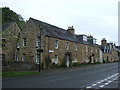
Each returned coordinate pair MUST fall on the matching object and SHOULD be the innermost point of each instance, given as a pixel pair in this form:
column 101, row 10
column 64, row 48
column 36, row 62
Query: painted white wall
column 101, row 56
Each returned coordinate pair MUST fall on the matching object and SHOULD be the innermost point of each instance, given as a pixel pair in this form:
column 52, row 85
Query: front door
column 90, row 58
column 67, row 60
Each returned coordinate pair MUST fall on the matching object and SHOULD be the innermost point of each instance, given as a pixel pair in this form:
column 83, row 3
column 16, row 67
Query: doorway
column 90, row 58
column 68, row 58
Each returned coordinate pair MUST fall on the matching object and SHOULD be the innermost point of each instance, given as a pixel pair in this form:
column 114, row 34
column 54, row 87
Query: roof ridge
column 48, row 24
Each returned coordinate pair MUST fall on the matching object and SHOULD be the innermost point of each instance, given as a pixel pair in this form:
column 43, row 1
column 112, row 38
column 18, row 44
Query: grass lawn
column 15, row 74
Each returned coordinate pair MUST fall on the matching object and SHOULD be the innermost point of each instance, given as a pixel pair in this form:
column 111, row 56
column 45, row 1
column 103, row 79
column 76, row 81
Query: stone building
column 40, row 43
column 10, row 39
column 59, row 46
column 110, row 52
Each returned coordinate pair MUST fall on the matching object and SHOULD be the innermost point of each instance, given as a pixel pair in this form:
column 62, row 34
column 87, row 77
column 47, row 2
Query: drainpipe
column 40, row 49
column 48, row 46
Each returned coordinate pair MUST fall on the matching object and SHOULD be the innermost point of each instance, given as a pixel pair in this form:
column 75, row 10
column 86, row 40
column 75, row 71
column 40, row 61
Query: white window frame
column 94, row 41
column 16, row 57
column 56, row 59
column 18, row 45
column 67, row 45
column 86, row 49
column 37, row 58
column 84, row 38
column 24, row 42
column 75, row 60
column 96, row 50
column 91, row 49
column 38, row 42
column 105, row 49
column 56, row 44
column 76, row 46
column 23, row 57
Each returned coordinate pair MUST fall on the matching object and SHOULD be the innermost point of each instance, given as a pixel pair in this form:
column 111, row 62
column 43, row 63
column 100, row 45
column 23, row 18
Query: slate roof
column 53, row 31
column 6, row 25
column 56, row 32
column 101, row 47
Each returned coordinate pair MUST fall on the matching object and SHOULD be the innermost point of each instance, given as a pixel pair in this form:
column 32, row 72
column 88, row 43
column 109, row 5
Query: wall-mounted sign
column 51, row 51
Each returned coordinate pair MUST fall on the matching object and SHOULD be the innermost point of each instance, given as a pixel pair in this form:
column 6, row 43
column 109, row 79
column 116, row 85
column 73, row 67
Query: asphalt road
column 93, row 76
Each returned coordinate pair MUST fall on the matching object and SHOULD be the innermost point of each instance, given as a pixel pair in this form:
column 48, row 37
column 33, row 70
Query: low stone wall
column 18, row 66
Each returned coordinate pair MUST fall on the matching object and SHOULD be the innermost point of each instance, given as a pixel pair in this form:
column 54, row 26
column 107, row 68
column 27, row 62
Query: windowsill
column 37, row 47
column 56, row 47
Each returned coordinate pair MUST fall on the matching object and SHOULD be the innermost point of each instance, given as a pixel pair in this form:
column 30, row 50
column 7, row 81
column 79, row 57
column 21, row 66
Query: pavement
column 89, row 76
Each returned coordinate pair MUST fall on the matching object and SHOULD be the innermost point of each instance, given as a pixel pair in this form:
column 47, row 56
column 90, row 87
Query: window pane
column 37, row 58
column 24, row 41
column 56, row 44
column 67, row 45
column 75, row 47
column 23, row 57
column 56, row 59
column 84, row 38
column 38, row 42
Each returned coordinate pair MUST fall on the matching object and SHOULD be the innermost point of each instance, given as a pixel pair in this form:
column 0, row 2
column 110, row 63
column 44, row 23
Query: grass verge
column 16, row 74
column 84, row 64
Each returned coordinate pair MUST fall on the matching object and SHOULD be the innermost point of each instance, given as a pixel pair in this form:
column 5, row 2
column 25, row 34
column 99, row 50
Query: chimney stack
column 103, row 41
column 71, row 29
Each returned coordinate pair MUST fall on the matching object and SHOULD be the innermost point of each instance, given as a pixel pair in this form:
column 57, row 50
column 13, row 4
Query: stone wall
column 10, row 38
column 18, row 66
column 81, row 54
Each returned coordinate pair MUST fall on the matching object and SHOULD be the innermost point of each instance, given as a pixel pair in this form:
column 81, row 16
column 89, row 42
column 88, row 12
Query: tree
column 11, row 16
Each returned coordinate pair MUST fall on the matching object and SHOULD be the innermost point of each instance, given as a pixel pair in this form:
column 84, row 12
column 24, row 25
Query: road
column 91, row 76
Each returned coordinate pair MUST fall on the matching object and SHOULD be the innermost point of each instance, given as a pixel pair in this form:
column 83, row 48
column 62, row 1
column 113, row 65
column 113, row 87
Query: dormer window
column 84, row 38
column 94, row 41
column 56, row 44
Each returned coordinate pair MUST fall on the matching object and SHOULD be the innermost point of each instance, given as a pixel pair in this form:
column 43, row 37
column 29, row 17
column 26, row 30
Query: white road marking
column 94, row 84
column 102, row 81
column 105, row 79
column 108, row 80
column 108, row 77
column 106, row 83
column 98, row 82
column 88, row 87
column 101, row 86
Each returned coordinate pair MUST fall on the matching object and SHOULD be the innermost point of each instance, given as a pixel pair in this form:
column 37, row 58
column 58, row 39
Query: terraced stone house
column 51, row 46
column 59, row 46
column 10, row 39
column 110, row 52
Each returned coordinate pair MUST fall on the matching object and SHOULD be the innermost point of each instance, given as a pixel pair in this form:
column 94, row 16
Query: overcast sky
column 96, row 17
